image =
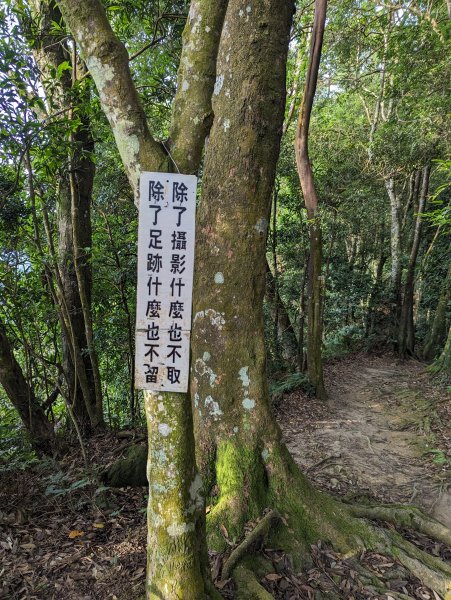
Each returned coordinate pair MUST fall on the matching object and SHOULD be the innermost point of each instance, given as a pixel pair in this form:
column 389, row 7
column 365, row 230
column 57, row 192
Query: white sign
column 165, row 281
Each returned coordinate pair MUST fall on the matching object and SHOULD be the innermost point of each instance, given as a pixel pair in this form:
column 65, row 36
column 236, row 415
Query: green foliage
column 439, row 213
column 344, row 341
column 60, row 484
column 370, row 51
column 290, row 383
column 15, row 450
column 438, row 456
column 379, row 112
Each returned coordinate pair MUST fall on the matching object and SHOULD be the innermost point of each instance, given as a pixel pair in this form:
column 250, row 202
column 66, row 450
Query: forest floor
column 384, row 434
column 381, row 436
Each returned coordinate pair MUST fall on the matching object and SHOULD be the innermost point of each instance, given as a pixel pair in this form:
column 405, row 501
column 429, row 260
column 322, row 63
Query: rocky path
column 380, row 435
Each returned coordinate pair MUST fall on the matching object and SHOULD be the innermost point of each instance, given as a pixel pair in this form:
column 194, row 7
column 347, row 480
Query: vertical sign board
column 165, row 281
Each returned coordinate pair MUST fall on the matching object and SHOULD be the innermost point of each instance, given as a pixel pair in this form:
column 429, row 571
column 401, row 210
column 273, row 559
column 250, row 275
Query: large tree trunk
column 23, row 399
column 406, row 336
column 236, row 436
column 437, row 331
column 238, row 441
column 239, row 449
column 316, row 280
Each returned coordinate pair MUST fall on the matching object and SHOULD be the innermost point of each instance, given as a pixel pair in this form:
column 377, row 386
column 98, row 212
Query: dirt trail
column 373, row 436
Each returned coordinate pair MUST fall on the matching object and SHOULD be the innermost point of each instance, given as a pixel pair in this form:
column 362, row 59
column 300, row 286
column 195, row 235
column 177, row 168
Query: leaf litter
column 63, row 535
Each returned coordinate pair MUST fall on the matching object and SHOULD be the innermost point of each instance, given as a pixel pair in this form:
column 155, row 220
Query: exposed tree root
column 405, row 516
column 251, row 542
column 247, row 586
column 367, row 576
column 432, row 571
column 360, row 535
column 312, row 515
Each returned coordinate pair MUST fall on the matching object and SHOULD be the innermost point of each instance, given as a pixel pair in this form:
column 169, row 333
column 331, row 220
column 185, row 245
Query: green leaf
column 62, row 67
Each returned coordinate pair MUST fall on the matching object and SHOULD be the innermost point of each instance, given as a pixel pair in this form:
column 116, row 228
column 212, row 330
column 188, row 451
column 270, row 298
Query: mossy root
column 247, row 586
column 251, row 542
column 405, row 516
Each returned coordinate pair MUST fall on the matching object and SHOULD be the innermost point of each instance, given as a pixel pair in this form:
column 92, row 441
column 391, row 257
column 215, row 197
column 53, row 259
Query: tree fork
column 178, row 550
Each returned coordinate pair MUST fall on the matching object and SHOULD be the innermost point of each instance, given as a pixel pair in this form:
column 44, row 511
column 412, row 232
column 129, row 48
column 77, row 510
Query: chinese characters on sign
column 165, row 281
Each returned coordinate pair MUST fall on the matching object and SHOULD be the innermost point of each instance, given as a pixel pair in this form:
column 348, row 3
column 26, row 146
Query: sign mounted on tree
column 165, row 281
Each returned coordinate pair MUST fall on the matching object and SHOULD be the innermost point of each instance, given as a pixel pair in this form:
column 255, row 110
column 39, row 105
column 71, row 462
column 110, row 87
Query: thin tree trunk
column 395, row 246
column 316, row 281
column 275, row 279
column 130, row 334
column 286, row 336
column 67, row 327
column 406, row 337
column 81, row 179
column 437, row 332
column 23, row 398
column 302, row 358
column 375, row 291
column 443, row 363
column 74, row 192
column 82, row 396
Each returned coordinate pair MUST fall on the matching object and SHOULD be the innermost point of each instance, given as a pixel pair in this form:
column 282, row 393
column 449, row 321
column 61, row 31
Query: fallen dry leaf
column 28, row 546
column 74, row 534
column 224, row 531
column 273, row 577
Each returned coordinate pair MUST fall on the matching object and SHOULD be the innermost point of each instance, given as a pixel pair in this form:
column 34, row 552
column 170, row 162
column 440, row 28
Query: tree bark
column 302, row 357
column 375, row 291
column 234, row 428
column 238, row 441
column 286, row 336
column 177, row 562
column 316, row 280
column 81, row 178
column 122, row 285
column 406, row 336
column 443, row 363
column 437, row 333
column 395, row 247
column 73, row 216
column 80, row 396
column 23, row 398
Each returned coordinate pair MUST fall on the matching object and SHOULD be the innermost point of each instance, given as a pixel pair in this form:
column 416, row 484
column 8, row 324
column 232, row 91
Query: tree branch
column 192, row 114
column 107, row 60
column 301, row 142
